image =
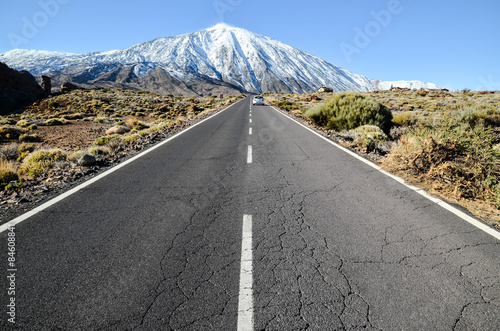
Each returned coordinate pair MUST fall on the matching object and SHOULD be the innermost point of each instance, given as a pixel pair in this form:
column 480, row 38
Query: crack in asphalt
column 305, row 256
column 317, row 294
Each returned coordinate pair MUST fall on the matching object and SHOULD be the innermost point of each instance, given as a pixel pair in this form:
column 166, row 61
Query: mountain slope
column 236, row 58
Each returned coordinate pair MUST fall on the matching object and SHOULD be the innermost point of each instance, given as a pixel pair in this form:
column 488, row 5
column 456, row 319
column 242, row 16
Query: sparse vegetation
column 347, row 111
column 40, row 162
column 458, row 151
column 10, row 132
column 105, row 140
column 8, row 172
column 103, row 122
column 55, row 121
column 369, row 137
column 288, row 105
column 447, row 142
column 26, row 137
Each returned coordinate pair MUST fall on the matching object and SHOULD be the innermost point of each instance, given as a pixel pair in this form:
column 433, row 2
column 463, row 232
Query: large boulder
column 67, row 87
column 87, row 160
column 46, row 84
column 18, row 89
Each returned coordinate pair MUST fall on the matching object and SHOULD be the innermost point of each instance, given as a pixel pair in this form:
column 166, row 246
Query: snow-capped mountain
column 411, row 84
column 223, row 55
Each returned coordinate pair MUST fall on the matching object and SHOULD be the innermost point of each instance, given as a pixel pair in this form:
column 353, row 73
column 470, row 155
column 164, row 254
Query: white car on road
column 258, row 100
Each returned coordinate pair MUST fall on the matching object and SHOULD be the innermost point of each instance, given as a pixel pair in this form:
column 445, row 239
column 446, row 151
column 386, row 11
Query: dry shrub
column 134, row 124
column 10, row 132
column 8, row 172
column 115, row 145
column 29, row 137
column 451, row 163
column 179, row 120
column 9, row 152
column 118, row 129
column 368, row 137
column 40, row 162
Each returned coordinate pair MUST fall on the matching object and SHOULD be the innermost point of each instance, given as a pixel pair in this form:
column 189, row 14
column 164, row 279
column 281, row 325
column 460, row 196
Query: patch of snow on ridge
column 412, row 85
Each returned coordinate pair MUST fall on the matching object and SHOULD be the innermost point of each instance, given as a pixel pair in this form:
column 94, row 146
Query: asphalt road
column 329, row 243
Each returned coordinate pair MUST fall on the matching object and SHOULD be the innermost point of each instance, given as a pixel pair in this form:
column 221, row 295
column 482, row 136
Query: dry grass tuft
column 8, row 172
column 40, row 162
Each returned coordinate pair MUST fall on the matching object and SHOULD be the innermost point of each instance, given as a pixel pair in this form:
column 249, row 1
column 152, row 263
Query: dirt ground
column 73, row 136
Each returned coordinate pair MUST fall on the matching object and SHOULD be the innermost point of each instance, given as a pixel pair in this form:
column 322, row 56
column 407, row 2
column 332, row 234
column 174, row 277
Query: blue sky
column 452, row 43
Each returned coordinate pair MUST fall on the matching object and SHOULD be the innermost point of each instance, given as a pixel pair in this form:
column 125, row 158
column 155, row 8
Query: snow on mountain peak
column 221, row 26
column 236, row 56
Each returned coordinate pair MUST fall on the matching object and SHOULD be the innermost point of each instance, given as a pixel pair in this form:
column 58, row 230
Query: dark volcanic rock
column 87, row 160
column 18, row 89
column 67, row 86
column 46, row 84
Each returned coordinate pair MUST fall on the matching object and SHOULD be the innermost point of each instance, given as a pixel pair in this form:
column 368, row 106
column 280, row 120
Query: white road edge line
column 245, row 300
column 66, row 194
column 249, row 155
column 478, row 224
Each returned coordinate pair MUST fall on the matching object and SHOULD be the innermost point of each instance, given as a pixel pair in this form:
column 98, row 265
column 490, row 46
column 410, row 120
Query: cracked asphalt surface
column 337, row 245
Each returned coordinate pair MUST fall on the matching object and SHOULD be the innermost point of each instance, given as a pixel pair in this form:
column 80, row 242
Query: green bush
column 74, row 116
column 40, row 162
column 24, row 150
column 403, row 119
column 29, row 137
column 131, row 138
column 7, row 176
column 138, row 125
column 53, row 104
column 99, row 151
column 103, row 141
column 368, row 136
column 10, row 132
column 23, row 123
column 287, row 105
column 55, row 121
column 370, row 131
column 349, row 110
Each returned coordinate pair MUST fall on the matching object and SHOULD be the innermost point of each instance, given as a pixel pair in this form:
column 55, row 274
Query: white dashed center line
column 245, row 301
column 250, row 120
column 249, row 155
column 250, row 131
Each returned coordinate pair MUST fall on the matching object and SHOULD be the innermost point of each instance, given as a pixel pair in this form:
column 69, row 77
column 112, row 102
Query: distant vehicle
column 258, row 100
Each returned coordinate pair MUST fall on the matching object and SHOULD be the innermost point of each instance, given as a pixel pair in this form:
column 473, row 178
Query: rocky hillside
column 18, row 89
